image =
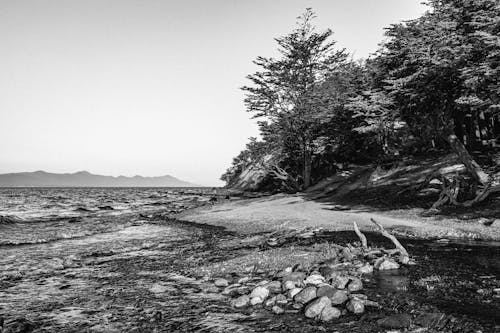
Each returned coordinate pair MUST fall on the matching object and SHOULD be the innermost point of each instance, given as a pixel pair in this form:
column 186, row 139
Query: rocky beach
column 158, row 270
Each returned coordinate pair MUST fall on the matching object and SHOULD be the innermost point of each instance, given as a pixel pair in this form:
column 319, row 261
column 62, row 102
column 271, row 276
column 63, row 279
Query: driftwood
column 362, row 238
column 393, row 239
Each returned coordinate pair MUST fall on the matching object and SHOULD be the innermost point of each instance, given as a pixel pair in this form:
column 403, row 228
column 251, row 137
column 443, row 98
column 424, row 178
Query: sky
column 150, row 87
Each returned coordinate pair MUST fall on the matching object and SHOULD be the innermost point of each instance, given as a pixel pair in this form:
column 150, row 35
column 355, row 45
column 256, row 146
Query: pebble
column 340, row 281
column 326, row 290
column 305, row 295
column 270, row 302
column 221, row 282
column 277, row 310
column 329, row 313
column 315, row 308
column 281, row 299
column 260, row 292
column 356, row 306
column 241, row 301
column 243, row 280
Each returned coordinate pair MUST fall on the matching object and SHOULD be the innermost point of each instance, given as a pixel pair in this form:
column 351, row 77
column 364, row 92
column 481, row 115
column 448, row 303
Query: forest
column 432, row 88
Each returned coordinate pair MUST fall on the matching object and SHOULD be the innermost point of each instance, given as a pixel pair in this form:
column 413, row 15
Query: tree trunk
column 475, row 170
column 306, row 174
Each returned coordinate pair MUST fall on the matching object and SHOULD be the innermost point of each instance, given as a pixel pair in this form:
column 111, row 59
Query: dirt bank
column 295, row 211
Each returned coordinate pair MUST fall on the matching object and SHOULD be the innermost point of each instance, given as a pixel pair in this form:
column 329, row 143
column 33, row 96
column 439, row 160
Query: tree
column 287, row 91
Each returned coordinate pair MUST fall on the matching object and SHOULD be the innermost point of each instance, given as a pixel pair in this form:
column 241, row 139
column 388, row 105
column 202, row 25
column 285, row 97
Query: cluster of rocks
column 323, row 292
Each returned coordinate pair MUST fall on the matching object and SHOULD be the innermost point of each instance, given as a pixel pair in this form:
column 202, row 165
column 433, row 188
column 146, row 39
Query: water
column 71, row 265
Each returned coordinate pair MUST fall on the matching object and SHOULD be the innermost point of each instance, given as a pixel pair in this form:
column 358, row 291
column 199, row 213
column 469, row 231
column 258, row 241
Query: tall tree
column 287, row 91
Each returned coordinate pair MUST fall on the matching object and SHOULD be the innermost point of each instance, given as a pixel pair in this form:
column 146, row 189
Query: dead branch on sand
column 393, row 239
column 362, row 238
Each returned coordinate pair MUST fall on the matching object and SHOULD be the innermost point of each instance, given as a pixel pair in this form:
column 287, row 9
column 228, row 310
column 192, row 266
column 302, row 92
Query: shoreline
column 281, row 211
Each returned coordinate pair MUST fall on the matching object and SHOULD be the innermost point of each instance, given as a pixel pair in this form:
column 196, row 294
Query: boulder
column 241, row 301
column 329, row 313
column 305, row 295
column 315, row 308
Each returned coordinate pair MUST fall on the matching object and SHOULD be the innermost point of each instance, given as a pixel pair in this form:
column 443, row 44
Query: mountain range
column 86, row 179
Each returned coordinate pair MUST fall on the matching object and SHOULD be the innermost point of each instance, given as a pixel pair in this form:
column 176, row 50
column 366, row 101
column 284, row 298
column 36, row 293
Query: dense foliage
column 435, row 78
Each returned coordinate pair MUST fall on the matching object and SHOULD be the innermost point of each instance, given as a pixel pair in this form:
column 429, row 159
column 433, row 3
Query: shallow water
column 139, row 271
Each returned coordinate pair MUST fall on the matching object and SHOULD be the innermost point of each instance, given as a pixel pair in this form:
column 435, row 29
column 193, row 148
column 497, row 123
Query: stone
column 293, row 292
column 366, row 269
column 241, row 301
column 244, row 280
column 326, row 271
column 340, row 281
column 329, row 313
column 256, row 300
column 288, row 285
column 297, row 277
column 356, row 306
column 261, row 292
column 263, row 283
column 274, row 287
column 305, row 295
column 386, row 264
column 281, row 299
column 395, row 321
column 339, row 297
column 359, row 296
column 270, row 302
column 355, row 285
column 315, row 308
column 277, row 310
column 221, row 283
column 211, row 289
column 326, row 290
column 314, row 279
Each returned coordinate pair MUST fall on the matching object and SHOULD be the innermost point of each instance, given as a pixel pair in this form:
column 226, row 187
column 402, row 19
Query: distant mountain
column 86, row 179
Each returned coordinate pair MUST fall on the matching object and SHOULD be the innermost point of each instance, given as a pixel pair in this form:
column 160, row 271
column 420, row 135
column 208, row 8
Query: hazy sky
column 149, row 87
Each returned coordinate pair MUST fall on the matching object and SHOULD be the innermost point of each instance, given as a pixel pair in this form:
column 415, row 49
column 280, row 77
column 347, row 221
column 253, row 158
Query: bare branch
column 391, row 237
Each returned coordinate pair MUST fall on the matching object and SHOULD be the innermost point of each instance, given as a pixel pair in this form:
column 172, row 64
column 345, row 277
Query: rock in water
column 261, row 292
column 339, row 297
column 241, row 301
column 386, row 264
column 277, row 310
column 366, row 269
column 355, row 285
column 329, row 313
column 395, row 321
column 305, row 295
column 221, row 282
column 315, row 308
column 356, row 306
